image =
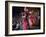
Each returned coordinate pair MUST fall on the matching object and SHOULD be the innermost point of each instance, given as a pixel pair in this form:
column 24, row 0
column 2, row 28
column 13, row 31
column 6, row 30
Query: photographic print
column 24, row 18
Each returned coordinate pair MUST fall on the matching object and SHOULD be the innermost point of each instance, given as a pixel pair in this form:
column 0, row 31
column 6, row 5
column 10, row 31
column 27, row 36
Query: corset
column 32, row 20
column 24, row 24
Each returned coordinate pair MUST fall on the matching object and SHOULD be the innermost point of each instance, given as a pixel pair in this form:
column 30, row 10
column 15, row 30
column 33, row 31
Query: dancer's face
column 30, row 13
column 25, row 9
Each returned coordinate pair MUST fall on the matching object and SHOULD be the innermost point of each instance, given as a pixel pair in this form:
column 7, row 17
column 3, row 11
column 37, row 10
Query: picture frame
column 9, row 13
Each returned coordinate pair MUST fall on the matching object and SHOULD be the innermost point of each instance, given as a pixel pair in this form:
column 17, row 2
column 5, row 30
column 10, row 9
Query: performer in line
column 31, row 19
column 24, row 19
